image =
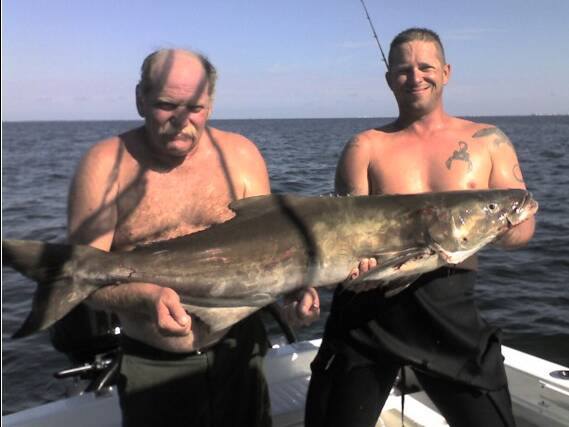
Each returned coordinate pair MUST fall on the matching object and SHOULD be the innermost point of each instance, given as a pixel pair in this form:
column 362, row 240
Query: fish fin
column 399, row 257
column 48, row 264
column 396, row 274
column 393, row 287
column 219, row 318
column 390, row 287
column 395, row 265
column 259, row 205
column 252, row 202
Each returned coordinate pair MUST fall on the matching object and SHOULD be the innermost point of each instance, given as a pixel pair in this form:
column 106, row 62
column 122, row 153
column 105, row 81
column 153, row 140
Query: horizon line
column 282, row 118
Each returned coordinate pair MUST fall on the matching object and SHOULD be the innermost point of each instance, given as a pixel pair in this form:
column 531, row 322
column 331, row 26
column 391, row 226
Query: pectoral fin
column 396, row 274
column 393, row 287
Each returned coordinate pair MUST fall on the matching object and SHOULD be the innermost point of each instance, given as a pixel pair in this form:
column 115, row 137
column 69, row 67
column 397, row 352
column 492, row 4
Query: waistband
column 134, row 347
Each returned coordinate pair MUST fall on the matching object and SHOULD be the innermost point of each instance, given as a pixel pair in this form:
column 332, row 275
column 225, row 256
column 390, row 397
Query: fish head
column 461, row 223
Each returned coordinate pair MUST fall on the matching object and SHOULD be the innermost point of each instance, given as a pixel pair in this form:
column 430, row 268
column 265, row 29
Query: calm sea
column 525, row 292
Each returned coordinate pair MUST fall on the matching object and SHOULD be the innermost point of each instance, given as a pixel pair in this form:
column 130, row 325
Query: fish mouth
column 523, row 211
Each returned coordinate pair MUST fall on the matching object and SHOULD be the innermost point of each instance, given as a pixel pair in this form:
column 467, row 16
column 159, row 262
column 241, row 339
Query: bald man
column 174, row 175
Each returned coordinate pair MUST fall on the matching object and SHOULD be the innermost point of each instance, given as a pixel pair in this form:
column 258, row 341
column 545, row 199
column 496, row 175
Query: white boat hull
column 539, row 399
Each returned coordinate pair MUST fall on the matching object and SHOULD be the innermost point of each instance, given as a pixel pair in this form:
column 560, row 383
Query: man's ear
column 139, row 101
column 388, row 80
column 446, row 73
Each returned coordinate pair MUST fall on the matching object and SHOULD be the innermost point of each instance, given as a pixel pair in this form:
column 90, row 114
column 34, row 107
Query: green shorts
column 223, row 386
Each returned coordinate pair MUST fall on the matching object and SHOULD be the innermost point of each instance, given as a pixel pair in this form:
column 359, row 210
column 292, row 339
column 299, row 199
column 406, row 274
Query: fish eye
column 464, row 240
column 492, row 207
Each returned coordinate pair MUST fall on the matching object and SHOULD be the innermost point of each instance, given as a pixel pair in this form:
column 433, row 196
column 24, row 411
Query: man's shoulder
column 244, row 160
column 489, row 135
column 102, row 150
column 231, row 142
column 110, row 149
column 475, row 128
column 226, row 136
column 373, row 136
column 115, row 142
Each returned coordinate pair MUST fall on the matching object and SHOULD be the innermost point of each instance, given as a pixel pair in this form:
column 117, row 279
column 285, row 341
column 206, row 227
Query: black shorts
column 433, row 327
column 354, row 397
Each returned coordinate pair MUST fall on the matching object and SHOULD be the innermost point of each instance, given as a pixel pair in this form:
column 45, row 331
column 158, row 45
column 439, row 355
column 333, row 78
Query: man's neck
column 422, row 124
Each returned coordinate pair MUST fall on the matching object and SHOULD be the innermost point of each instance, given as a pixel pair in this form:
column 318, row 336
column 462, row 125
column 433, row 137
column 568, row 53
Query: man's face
column 417, row 76
column 177, row 107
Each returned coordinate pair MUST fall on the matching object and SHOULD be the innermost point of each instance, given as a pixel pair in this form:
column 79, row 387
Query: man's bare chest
column 456, row 164
column 157, row 208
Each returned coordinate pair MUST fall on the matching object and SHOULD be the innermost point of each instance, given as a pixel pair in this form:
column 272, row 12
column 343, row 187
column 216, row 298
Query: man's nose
column 181, row 117
column 415, row 75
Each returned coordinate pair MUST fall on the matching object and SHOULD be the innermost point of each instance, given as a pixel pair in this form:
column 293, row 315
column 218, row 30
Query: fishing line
column 375, row 36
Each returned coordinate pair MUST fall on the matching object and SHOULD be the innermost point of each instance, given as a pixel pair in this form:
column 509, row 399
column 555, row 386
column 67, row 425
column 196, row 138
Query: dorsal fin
column 259, row 205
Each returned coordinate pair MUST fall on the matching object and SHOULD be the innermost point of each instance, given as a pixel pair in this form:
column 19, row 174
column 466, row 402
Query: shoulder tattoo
column 498, row 136
column 461, row 154
column 354, row 143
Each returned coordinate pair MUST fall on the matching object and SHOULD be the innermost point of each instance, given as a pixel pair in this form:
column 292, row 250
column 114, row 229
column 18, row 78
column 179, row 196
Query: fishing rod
column 375, row 36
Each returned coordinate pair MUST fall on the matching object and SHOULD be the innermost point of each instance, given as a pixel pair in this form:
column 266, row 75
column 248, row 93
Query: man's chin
column 420, row 106
column 181, row 147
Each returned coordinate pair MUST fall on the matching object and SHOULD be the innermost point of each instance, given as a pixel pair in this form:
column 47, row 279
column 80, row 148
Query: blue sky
column 72, row 60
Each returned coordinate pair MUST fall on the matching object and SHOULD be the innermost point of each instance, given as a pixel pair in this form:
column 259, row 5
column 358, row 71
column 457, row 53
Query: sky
column 80, row 60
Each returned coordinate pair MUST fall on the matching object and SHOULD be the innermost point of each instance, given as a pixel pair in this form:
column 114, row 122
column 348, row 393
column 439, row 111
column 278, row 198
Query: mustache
column 189, row 132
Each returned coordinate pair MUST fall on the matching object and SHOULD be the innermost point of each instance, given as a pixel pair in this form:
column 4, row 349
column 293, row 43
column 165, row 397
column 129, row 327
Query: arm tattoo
column 517, row 173
column 499, row 136
column 460, row 154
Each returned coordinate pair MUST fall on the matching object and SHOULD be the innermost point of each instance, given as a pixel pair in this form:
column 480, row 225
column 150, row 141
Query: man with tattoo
column 434, row 326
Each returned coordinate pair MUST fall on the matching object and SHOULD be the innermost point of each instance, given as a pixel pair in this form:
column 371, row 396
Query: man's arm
column 92, row 220
column 352, row 170
column 352, row 178
column 255, row 176
column 506, row 173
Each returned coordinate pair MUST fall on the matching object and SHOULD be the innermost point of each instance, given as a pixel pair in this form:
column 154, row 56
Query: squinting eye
column 165, row 106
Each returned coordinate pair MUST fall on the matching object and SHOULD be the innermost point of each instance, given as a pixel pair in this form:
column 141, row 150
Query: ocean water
column 525, row 292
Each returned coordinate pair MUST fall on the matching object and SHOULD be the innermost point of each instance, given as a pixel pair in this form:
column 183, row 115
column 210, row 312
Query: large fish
column 274, row 245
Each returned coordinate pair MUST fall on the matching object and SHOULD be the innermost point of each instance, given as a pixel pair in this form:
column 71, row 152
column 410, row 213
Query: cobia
column 275, row 245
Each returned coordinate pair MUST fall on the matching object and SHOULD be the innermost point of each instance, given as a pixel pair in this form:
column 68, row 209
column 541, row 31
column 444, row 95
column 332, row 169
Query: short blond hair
column 413, row 34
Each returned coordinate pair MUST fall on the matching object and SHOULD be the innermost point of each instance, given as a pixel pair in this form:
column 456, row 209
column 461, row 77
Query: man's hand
column 302, row 308
column 170, row 316
column 365, row 265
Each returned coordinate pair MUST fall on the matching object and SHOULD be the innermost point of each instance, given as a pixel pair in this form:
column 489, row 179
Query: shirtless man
column 173, row 176
column 434, row 326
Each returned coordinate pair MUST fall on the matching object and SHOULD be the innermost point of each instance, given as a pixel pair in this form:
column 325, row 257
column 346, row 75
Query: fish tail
column 52, row 267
